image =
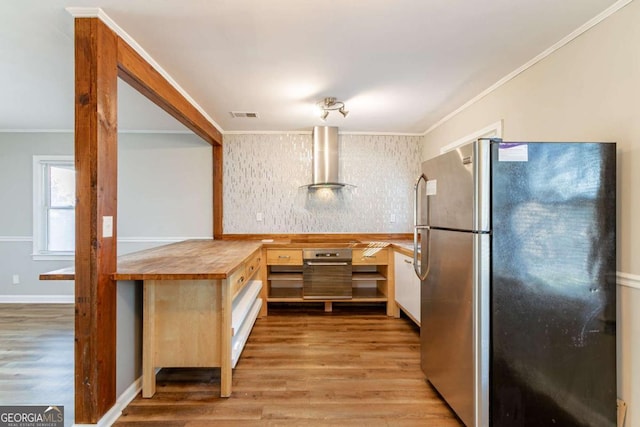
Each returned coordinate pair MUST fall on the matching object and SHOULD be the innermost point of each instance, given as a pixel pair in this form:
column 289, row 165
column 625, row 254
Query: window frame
column 40, row 206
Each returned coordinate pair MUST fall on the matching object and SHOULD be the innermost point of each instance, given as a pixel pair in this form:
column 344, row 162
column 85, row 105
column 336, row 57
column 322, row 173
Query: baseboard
column 116, row 410
column 37, row 299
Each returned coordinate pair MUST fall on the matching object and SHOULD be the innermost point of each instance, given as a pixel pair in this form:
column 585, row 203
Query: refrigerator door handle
column 416, row 199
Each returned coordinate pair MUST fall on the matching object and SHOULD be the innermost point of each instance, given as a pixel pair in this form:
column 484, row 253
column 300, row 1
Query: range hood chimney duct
column 325, row 158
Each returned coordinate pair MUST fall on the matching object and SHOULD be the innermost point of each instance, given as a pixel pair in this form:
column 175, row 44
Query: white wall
column 128, row 334
column 263, row 173
column 164, row 194
column 589, row 90
column 164, row 187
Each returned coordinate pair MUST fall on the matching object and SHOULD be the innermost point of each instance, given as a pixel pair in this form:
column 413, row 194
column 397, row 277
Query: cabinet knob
column 241, row 279
column 408, row 261
column 284, row 256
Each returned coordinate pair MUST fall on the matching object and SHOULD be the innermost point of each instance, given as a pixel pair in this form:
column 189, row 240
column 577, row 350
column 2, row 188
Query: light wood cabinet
column 407, row 287
column 284, row 257
column 371, row 278
column 371, row 256
column 200, row 322
column 253, row 264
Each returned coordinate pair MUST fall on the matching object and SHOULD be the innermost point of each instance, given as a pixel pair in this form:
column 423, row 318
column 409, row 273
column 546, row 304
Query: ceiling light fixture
column 331, row 104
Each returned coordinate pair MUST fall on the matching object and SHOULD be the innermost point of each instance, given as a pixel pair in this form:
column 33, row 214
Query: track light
column 331, row 104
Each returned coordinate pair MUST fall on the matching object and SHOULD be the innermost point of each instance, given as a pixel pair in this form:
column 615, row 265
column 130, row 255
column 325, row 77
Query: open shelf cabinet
column 370, row 278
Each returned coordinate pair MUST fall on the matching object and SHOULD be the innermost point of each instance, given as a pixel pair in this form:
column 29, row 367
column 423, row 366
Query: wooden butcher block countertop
column 188, row 260
column 403, row 246
column 212, row 259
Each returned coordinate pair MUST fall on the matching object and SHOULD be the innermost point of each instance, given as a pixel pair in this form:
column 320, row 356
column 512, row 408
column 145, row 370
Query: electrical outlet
column 392, row 218
column 16, row 279
column 259, row 216
column 107, row 226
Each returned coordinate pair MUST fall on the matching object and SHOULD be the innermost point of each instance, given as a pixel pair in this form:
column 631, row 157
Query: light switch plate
column 107, row 226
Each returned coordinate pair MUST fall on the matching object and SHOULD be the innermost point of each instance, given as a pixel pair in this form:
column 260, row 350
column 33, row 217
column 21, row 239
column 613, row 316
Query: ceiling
column 400, row 66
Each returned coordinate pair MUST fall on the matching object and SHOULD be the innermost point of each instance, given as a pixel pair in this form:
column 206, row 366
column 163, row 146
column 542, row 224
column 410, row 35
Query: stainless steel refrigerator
column 516, row 250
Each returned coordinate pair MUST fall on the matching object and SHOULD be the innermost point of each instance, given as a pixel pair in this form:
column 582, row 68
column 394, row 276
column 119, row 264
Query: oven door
column 327, row 280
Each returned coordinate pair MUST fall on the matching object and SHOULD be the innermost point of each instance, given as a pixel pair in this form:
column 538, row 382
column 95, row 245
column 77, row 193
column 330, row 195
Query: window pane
column 61, row 230
column 63, row 186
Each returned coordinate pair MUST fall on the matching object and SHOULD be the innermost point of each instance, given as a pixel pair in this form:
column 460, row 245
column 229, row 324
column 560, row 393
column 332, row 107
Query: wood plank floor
column 301, row 366
column 36, row 355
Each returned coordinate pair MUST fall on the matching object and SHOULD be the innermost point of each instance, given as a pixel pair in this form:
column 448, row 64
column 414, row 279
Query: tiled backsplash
column 263, row 175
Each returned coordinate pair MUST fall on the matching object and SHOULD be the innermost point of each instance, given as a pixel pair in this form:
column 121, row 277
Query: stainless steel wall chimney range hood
column 325, row 158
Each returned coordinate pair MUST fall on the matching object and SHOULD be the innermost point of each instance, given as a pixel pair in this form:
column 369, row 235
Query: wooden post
column 96, row 199
column 100, row 58
column 217, row 192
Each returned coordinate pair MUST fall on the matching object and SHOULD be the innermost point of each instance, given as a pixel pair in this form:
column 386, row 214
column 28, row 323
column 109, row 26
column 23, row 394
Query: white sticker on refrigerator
column 432, row 187
column 513, row 152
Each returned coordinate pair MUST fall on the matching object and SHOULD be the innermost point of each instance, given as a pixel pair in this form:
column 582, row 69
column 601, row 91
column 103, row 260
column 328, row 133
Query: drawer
column 237, row 280
column 253, row 264
column 370, row 256
column 284, row 256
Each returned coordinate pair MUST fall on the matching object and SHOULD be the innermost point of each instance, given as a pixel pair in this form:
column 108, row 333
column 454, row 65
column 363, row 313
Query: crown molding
column 381, row 133
column 308, row 132
column 266, row 132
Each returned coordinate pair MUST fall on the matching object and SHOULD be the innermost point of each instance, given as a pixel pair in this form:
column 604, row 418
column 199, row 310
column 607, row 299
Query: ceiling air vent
column 244, row 114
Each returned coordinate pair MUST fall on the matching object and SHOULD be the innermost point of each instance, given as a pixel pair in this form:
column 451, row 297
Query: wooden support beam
column 143, row 77
column 217, row 192
column 101, row 57
column 96, row 73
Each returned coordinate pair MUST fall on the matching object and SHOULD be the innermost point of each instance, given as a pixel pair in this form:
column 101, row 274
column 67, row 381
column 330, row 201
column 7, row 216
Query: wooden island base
column 184, row 324
column 200, row 301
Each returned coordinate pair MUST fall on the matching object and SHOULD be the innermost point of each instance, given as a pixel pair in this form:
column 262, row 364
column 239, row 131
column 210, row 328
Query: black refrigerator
column 515, row 246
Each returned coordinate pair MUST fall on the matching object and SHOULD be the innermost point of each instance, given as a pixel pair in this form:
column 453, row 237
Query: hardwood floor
column 302, row 366
column 36, row 355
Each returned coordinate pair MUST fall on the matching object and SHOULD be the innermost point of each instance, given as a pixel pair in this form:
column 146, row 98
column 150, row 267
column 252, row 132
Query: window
column 54, row 200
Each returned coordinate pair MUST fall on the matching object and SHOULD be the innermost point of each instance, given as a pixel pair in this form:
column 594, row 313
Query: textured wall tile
column 264, row 173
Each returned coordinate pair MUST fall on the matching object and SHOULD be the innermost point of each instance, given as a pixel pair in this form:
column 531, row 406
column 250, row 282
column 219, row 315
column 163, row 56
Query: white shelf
column 240, row 339
column 242, row 304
